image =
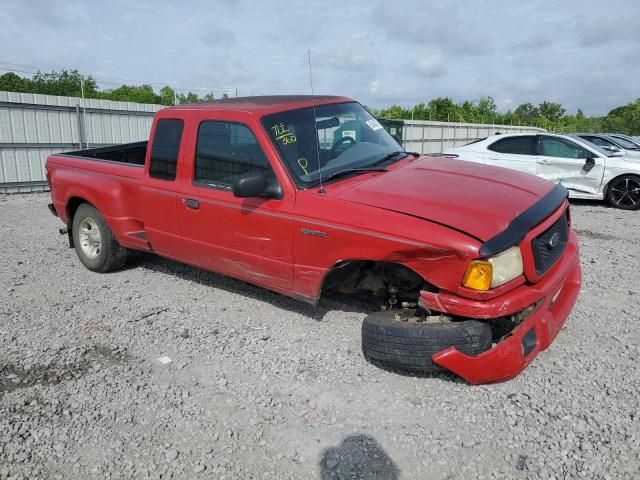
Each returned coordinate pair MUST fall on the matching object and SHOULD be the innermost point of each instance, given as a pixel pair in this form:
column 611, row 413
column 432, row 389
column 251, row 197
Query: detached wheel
column 95, row 245
column 409, row 345
column 624, row 192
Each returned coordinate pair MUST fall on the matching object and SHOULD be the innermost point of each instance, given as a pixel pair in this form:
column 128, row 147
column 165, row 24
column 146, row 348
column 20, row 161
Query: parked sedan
column 585, row 169
column 611, row 143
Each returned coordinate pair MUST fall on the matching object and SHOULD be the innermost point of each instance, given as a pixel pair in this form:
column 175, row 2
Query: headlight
column 495, row 271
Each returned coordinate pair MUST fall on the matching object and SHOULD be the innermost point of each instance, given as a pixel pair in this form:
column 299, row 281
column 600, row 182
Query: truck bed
column 130, row 153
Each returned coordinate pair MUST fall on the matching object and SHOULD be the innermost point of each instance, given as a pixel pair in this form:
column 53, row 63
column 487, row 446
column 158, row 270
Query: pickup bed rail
column 131, row 153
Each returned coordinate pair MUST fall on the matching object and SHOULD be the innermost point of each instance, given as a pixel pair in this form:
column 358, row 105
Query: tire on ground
column 623, row 192
column 410, row 346
column 110, row 255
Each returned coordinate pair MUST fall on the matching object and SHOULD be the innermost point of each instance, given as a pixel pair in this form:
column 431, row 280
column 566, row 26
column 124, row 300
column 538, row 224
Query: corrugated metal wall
column 426, row 136
column 33, row 127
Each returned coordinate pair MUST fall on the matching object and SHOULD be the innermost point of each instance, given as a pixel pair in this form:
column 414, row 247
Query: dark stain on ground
column 596, row 235
column 14, row 377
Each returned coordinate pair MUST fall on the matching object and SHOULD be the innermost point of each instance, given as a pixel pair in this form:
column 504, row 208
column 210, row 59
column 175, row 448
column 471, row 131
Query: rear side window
column 226, row 150
column 525, row 145
column 164, row 152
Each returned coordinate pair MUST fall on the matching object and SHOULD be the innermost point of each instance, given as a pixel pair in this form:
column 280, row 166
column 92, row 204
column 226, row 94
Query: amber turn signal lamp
column 479, row 275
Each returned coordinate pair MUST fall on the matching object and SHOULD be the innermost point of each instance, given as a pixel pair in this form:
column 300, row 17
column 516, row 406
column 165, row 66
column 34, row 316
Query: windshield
column 341, row 136
column 624, row 143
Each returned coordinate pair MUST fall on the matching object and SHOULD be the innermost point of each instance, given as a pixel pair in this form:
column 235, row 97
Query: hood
column 476, row 199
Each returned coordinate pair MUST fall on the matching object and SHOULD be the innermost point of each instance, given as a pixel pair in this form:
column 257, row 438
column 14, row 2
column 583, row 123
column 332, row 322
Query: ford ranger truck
column 307, row 195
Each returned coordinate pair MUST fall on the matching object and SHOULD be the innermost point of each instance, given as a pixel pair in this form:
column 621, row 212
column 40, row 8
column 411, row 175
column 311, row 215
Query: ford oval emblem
column 554, row 241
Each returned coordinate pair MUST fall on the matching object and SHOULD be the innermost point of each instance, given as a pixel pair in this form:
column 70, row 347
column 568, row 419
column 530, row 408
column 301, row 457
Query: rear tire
column 624, row 192
column 410, row 346
column 97, row 248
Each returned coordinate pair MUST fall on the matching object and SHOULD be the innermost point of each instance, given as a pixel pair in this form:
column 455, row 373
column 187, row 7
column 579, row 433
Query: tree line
column 70, row 83
column 548, row 115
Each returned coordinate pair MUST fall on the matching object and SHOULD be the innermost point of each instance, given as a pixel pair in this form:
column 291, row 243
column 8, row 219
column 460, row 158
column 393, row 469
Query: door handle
column 191, row 203
column 545, row 162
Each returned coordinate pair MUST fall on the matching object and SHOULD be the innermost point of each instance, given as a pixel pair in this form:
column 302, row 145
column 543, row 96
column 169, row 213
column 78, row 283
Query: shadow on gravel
column 590, row 203
column 214, row 280
column 358, row 456
column 443, row 375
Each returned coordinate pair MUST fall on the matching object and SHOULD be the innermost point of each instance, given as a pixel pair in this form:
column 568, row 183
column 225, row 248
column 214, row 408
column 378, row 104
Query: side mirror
column 589, row 164
column 255, row 184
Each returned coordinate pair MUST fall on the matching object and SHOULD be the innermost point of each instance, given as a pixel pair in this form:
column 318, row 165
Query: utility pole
column 84, row 111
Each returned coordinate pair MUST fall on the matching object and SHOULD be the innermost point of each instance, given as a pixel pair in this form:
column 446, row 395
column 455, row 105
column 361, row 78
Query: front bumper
column 555, row 294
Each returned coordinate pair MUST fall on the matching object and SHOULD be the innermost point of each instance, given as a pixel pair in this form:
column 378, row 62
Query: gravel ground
column 261, row 386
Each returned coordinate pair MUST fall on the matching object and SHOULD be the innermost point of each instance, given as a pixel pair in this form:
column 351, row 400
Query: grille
column 548, row 247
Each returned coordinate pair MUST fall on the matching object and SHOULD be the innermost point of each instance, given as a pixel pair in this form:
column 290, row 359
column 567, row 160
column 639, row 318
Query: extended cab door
column 159, row 190
column 568, row 163
column 515, row 152
column 249, row 238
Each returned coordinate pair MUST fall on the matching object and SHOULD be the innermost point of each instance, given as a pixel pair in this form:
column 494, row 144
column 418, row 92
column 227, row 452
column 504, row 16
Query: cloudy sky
column 581, row 53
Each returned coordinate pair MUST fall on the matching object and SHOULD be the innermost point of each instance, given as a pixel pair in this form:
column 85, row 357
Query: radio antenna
column 315, row 128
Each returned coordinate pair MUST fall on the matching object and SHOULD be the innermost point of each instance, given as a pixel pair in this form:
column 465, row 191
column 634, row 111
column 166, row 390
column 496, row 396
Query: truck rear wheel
column 97, row 248
column 394, row 342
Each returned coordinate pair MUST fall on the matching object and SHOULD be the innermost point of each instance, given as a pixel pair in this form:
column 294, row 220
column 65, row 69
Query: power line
column 108, row 80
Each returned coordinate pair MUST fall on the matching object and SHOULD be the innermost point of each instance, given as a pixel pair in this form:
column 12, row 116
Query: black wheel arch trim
column 520, row 226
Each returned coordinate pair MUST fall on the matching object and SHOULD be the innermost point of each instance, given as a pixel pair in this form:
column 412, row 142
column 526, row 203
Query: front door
column 563, row 161
column 248, row 238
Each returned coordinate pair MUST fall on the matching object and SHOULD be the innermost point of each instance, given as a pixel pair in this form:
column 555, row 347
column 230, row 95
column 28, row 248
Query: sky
column 581, row 53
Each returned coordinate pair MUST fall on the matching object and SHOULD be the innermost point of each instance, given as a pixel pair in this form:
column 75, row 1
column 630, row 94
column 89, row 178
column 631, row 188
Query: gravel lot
column 261, row 386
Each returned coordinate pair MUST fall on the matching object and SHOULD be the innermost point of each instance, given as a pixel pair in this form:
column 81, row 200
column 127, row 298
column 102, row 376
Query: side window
column 165, row 148
column 521, row 145
column 598, row 141
column 226, row 150
column 559, row 147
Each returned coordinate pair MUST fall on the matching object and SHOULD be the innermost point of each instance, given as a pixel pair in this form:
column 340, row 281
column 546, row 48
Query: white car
column 586, row 170
column 611, row 143
column 630, row 142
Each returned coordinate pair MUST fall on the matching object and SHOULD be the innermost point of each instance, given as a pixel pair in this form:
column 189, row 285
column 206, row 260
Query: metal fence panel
column 426, row 136
column 34, row 126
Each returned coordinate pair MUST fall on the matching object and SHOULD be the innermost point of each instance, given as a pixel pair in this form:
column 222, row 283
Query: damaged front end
column 518, row 334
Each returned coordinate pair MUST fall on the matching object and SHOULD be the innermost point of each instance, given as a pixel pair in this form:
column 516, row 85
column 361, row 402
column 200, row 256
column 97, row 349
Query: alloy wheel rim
column 90, row 239
column 626, row 192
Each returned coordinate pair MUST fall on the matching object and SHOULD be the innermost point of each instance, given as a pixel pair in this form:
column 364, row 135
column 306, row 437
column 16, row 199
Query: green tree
column 190, row 97
column 443, row 109
column 167, row 95
column 487, row 107
column 395, row 112
column 68, row 83
column 10, row 82
column 526, row 112
column 129, row 93
column 551, row 111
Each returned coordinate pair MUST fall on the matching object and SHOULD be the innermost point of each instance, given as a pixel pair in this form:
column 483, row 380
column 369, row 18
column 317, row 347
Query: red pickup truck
column 478, row 265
